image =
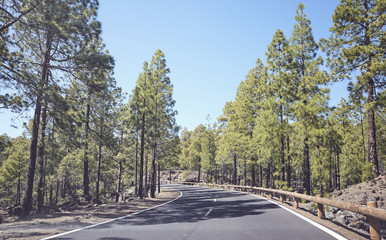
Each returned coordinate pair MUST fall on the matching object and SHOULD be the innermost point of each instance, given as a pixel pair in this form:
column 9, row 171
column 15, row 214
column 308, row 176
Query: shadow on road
column 193, row 206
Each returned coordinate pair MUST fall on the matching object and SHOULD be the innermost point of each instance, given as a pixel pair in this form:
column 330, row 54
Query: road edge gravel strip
column 114, row 219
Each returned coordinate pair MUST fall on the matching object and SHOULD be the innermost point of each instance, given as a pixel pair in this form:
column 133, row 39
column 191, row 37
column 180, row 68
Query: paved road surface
column 204, row 213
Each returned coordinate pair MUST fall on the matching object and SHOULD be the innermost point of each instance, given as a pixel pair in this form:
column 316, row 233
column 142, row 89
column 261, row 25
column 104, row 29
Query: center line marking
column 208, row 212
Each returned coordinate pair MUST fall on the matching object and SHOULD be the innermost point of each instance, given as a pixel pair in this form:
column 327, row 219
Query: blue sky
column 209, row 46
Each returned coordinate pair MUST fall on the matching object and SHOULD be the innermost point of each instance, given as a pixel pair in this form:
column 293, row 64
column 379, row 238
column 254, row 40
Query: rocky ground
column 72, row 216
column 374, row 190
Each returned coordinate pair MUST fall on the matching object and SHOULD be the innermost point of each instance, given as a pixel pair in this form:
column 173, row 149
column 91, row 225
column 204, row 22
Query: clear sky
column 209, row 46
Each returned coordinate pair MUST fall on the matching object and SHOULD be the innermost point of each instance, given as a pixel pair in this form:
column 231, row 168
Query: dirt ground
column 47, row 224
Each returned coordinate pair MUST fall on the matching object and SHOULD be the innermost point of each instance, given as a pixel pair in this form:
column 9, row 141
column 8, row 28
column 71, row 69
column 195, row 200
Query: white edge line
column 321, row 227
column 210, row 210
column 111, row 220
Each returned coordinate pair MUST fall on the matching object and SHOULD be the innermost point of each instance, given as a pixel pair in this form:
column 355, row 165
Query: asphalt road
column 204, row 213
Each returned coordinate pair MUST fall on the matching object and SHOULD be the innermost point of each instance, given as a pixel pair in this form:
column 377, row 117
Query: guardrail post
column 270, row 194
column 320, row 208
column 281, row 198
column 296, row 201
column 375, row 224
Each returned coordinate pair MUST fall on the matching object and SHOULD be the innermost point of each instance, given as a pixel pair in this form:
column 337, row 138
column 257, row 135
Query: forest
column 279, row 131
column 88, row 140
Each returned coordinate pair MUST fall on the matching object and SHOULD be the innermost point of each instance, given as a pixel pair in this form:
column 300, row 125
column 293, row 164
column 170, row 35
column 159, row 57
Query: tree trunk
column 170, row 175
column 40, row 199
column 363, row 141
column 146, row 174
column 153, row 172
column 159, row 177
column 222, row 173
column 288, row 162
column 253, row 174
column 51, row 193
column 372, row 143
column 136, row 167
column 245, row 172
column 234, row 169
column 260, row 175
column 27, row 204
column 57, row 191
column 307, row 178
column 99, row 167
column 199, row 169
column 140, row 187
column 18, row 194
column 267, row 182
column 119, row 181
column 282, row 146
column 338, row 172
column 86, row 181
column 320, row 171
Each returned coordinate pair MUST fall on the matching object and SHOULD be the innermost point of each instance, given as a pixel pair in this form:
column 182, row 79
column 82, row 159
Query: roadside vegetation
column 87, row 141
column 280, row 132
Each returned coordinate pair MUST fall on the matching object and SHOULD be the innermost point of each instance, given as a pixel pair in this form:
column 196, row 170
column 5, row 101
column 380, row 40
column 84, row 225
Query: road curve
column 205, row 213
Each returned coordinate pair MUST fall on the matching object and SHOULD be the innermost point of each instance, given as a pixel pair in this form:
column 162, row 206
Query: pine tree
column 282, row 91
column 357, row 44
column 310, row 98
column 161, row 106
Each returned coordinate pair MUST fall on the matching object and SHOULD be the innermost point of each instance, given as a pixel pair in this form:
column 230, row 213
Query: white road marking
column 210, row 210
column 111, row 220
column 321, row 227
column 214, row 200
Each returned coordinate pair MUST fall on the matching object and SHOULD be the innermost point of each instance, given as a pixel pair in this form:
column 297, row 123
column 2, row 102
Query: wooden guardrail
column 374, row 214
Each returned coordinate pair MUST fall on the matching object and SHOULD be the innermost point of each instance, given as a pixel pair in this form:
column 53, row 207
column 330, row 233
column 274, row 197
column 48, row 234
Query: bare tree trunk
column 307, row 178
column 140, row 187
column 40, row 198
column 253, row 174
column 27, row 204
column 245, row 172
column 267, row 181
column 146, row 175
column 119, row 181
column 159, row 177
column 153, row 172
column 234, row 169
column 222, row 173
column 51, row 193
column 199, row 170
column 136, row 167
column 338, row 173
column 282, row 146
column 363, row 141
column 86, row 181
column 288, row 162
column 99, row 167
column 372, row 143
column 260, row 175
column 57, row 191
column 18, row 193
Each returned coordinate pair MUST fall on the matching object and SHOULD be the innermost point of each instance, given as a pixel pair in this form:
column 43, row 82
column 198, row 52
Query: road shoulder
column 44, row 225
